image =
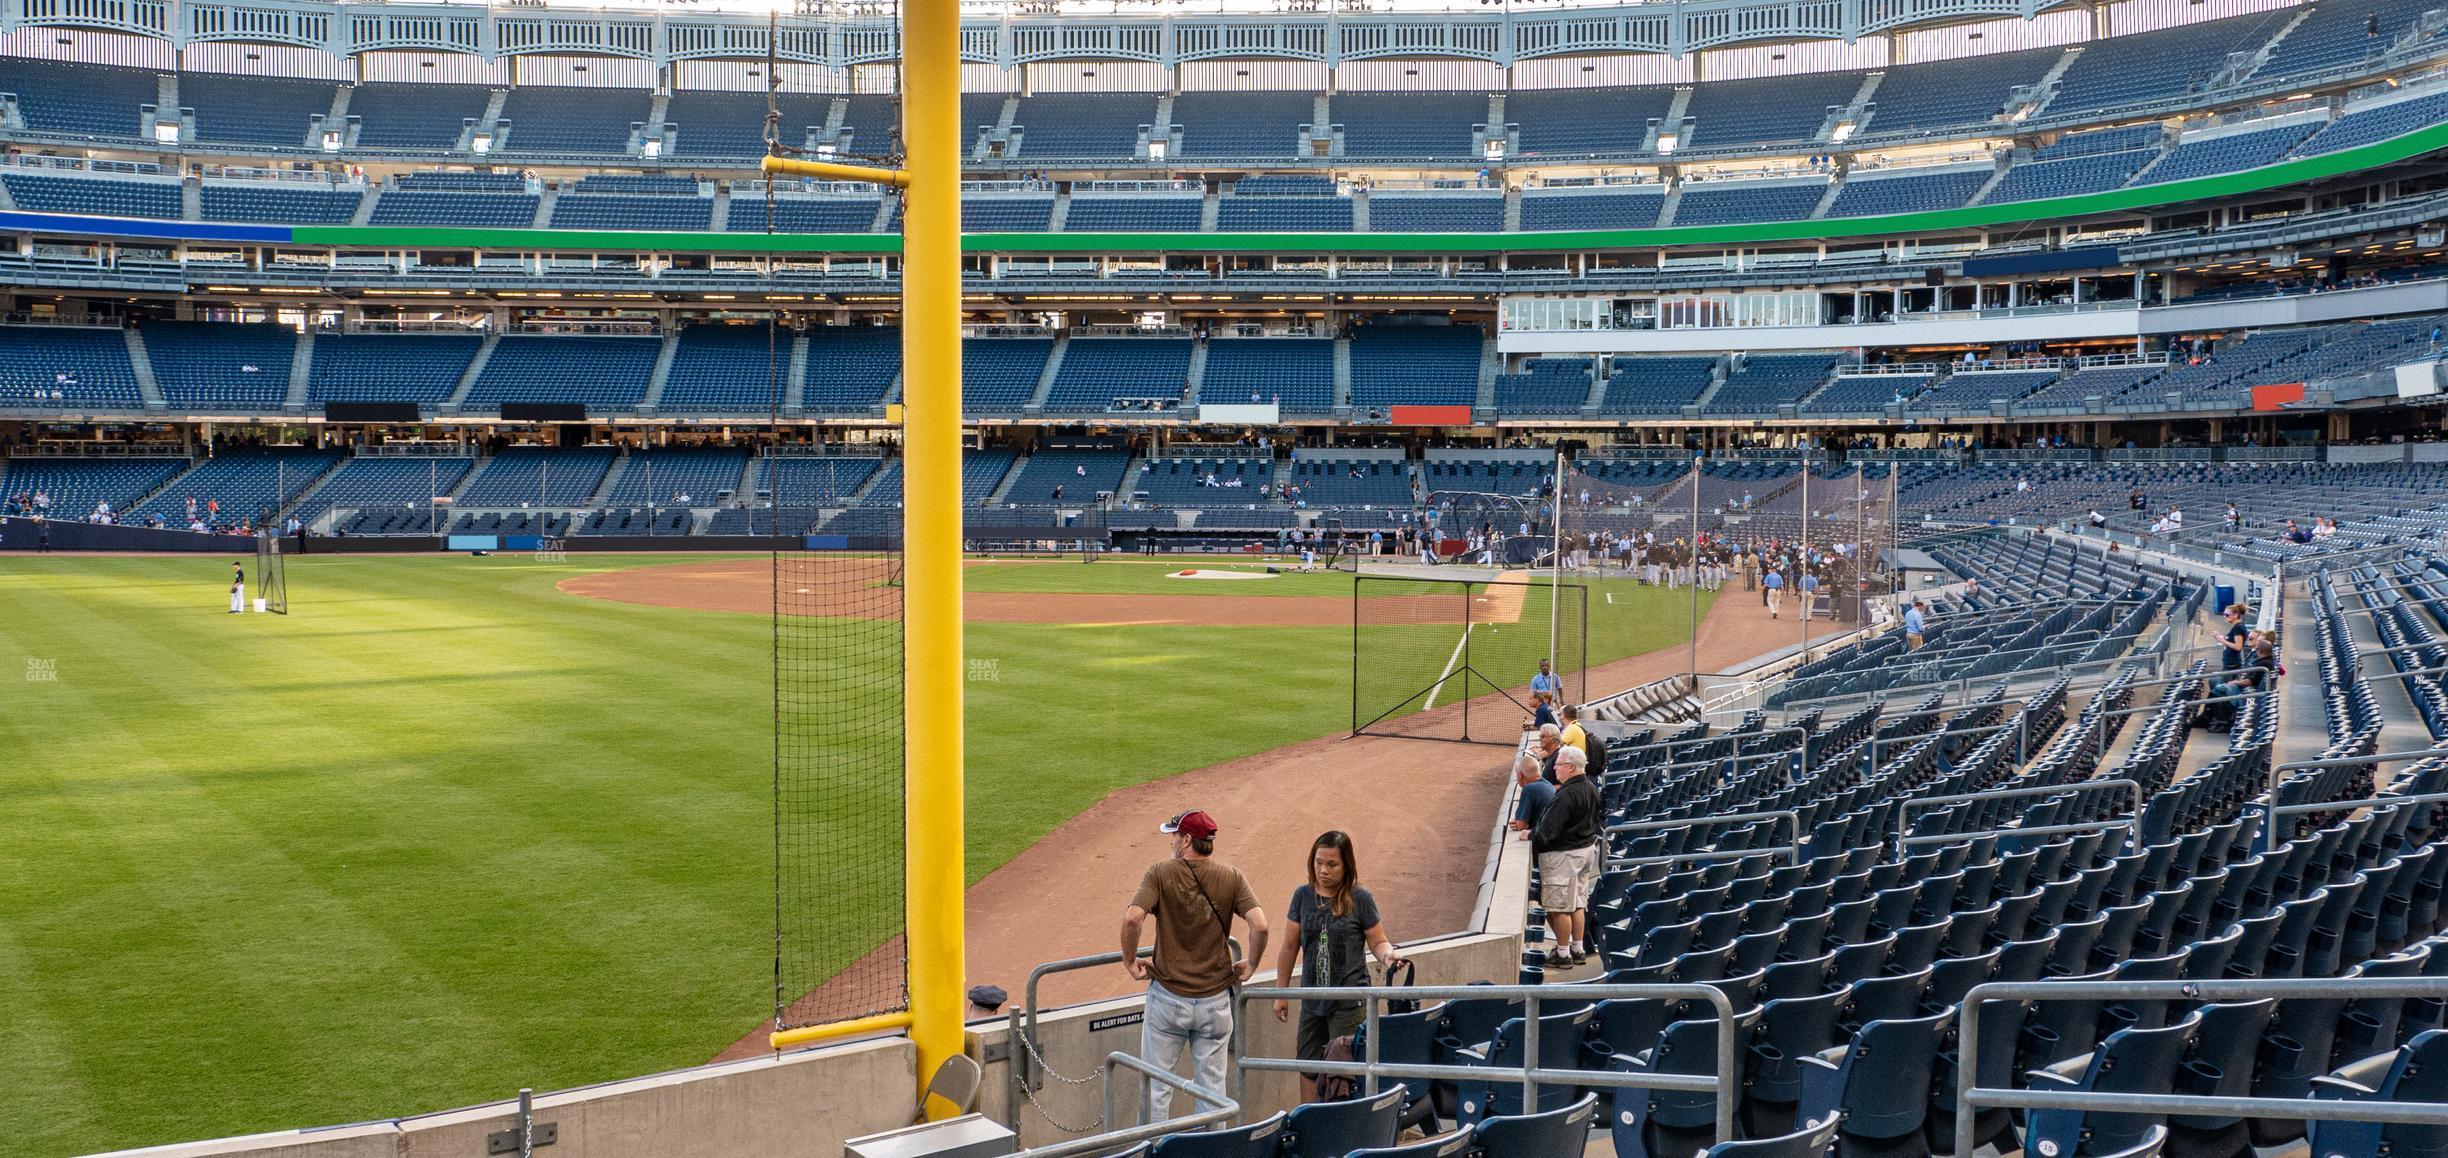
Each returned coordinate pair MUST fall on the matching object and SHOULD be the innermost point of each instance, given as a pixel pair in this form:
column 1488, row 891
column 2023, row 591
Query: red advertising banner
column 2274, row 396
column 1429, row 415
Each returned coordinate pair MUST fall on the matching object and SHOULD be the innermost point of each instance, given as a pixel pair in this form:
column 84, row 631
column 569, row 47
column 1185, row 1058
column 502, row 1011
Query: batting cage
column 1453, row 658
column 271, row 574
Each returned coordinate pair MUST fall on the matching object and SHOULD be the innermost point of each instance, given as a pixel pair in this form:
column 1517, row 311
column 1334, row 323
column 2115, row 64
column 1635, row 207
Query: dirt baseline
column 747, row 586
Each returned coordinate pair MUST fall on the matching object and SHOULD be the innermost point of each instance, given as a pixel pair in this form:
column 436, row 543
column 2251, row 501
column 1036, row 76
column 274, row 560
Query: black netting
column 838, row 742
column 272, row 574
column 1452, row 658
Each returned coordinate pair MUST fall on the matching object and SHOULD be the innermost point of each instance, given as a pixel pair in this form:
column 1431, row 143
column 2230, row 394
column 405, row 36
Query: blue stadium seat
column 1241, row 124
column 605, row 374
column 572, row 121
column 397, row 206
column 1612, row 208
column 1082, row 126
column 415, row 117
column 79, row 100
column 378, row 367
column 107, row 197
column 850, row 368
column 524, row 476
column 262, row 111
column 727, row 369
column 1435, row 213
column 1098, row 373
column 1408, row 125
column 212, row 365
column 84, row 366
column 1297, row 373
column 280, row 204
column 1397, row 365
column 75, row 486
column 1558, row 123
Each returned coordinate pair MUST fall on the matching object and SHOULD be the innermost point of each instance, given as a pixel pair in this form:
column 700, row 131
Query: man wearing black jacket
column 1565, row 842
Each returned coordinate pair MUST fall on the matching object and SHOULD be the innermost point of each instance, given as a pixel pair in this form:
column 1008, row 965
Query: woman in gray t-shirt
column 1333, row 927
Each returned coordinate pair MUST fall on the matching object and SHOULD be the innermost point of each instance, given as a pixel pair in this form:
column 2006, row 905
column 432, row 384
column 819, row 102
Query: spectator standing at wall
column 1333, row 927
column 1565, row 843
column 1914, row 625
column 1190, row 981
column 1533, row 792
column 1545, row 681
column 2234, row 639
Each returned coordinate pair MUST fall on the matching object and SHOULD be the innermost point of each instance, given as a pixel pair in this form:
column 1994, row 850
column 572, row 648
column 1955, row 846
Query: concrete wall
column 805, row 1103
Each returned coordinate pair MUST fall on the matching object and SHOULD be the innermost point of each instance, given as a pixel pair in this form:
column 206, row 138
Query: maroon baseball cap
column 1198, row 825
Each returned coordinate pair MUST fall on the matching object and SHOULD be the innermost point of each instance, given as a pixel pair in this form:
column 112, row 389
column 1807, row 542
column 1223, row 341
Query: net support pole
column 931, row 532
column 1555, row 573
column 1691, row 645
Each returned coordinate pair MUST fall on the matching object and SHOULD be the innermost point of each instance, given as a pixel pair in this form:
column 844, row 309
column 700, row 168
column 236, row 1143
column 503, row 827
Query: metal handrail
column 1753, row 758
column 1970, row 1096
column 1783, row 729
column 1373, row 1066
column 1964, row 684
column 1790, row 816
column 1904, row 814
column 1024, row 1016
column 2021, row 722
column 2350, row 805
column 1225, row 1109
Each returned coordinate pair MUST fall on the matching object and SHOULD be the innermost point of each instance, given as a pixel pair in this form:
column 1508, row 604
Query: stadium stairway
column 794, row 392
column 301, row 365
column 720, row 221
column 1011, row 475
column 661, row 377
column 1342, row 376
column 2299, row 700
column 611, row 479
column 140, row 359
column 544, row 206
column 475, row 369
column 1045, row 376
column 1194, row 377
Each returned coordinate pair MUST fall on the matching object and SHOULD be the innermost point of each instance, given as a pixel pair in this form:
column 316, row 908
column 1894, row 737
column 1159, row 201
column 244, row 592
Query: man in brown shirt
column 1190, row 981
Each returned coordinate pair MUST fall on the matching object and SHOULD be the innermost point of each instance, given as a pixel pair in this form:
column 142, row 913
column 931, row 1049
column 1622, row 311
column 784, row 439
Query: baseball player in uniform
column 237, row 587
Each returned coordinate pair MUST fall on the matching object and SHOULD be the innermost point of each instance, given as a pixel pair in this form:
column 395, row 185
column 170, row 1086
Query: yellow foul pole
column 930, row 533
column 931, row 526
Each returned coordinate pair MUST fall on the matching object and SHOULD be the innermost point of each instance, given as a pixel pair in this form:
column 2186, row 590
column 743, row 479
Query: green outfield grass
column 446, row 831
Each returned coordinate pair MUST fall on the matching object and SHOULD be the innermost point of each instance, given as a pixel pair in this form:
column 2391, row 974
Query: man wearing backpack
column 1191, row 979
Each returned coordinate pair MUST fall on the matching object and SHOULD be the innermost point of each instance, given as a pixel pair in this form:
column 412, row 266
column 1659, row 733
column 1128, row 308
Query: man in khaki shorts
column 1566, row 842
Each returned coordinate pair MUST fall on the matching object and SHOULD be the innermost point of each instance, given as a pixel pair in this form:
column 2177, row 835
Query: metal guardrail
column 1372, row 1065
column 2266, row 804
column 1971, row 1096
column 2134, row 822
column 1224, row 1109
column 1023, row 1021
column 1791, row 817
column 2021, row 724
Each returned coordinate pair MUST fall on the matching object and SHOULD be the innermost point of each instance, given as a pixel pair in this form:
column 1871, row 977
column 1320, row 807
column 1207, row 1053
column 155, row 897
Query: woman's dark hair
column 1340, row 902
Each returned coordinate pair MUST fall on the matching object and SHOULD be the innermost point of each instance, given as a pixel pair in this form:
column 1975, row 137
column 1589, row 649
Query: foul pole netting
column 839, row 751
column 1452, row 658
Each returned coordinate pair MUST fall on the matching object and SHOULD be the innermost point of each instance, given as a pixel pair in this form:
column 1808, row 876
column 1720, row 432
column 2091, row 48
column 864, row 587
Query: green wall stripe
column 2417, row 143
